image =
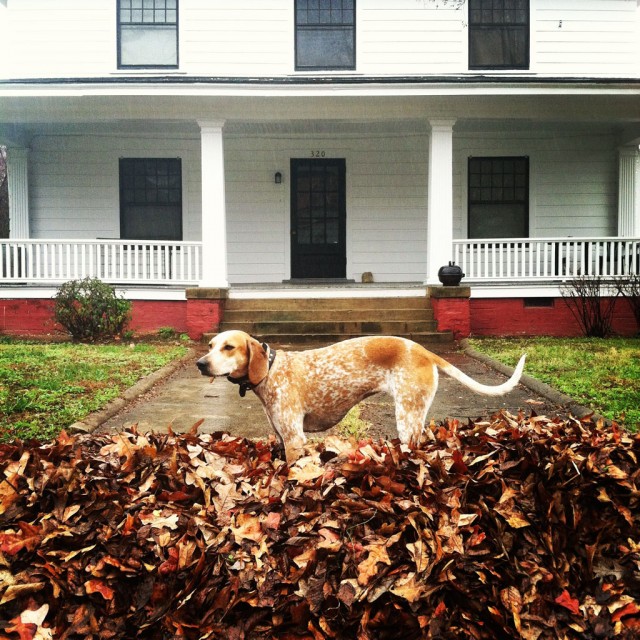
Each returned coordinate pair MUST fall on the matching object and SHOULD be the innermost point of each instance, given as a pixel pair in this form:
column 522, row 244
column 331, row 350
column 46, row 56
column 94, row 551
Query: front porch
column 511, row 287
column 179, row 207
column 512, row 262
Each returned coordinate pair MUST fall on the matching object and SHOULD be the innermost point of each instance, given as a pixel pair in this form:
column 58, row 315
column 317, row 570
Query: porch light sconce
column 278, row 178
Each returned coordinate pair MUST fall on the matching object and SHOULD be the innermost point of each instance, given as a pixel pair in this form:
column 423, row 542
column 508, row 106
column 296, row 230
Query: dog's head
column 237, row 355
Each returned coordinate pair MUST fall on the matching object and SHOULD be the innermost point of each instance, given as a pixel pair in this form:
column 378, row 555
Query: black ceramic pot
column 450, row 275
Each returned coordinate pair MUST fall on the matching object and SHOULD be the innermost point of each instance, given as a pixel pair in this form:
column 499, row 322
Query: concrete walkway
column 186, row 397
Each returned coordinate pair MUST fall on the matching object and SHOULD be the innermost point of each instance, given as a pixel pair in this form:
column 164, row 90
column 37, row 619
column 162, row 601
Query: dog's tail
column 487, row 390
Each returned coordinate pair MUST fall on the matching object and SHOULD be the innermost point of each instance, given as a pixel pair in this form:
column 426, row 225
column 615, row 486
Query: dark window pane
column 333, row 231
column 304, row 232
column 317, row 231
column 325, row 48
column 499, row 34
column 325, row 34
column 149, row 209
column 496, row 209
column 498, row 221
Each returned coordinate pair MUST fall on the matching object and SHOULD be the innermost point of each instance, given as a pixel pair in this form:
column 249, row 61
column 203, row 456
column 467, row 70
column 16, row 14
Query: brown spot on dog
column 384, row 353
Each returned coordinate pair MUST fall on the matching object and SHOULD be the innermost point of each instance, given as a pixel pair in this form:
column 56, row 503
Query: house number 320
column 317, row 153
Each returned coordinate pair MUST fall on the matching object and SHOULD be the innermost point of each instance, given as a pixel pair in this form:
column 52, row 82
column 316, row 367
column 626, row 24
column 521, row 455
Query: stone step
column 295, row 341
column 237, row 316
column 305, row 322
column 337, row 326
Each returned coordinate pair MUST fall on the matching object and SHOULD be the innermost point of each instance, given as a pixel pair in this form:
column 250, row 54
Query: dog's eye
column 228, row 347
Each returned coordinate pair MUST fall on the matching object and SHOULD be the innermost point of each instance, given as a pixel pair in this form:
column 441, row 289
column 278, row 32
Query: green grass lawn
column 603, row 374
column 46, row 387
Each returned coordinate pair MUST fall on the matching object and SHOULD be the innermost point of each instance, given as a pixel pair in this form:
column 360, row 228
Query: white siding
column 61, row 38
column 73, row 183
column 386, row 204
column 255, row 38
column 409, row 37
column 240, row 38
column 589, row 37
column 573, row 177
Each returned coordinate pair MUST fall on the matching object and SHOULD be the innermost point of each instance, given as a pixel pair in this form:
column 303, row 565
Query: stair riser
column 353, row 328
column 313, row 340
column 309, row 322
column 321, row 315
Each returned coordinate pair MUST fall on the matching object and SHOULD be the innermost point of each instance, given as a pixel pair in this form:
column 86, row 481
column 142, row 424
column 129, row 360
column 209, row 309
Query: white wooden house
column 253, row 146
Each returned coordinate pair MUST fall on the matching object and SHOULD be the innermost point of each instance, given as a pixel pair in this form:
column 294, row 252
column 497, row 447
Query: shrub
column 592, row 301
column 91, row 310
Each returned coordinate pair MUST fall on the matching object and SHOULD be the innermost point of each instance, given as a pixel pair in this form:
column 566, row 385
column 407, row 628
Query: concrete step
column 232, row 316
column 294, row 341
column 308, row 340
column 306, row 322
column 337, row 326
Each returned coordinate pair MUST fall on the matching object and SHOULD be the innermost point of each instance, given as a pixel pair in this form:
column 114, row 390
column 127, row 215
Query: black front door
column 318, row 218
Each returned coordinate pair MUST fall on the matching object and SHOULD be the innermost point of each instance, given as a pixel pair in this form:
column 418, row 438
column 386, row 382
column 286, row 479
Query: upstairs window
column 498, row 34
column 147, row 33
column 325, row 34
column 499, row 197
column 151, row 198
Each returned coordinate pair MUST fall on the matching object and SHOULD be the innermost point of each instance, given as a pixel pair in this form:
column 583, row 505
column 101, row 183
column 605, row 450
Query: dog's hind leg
column 412, row 406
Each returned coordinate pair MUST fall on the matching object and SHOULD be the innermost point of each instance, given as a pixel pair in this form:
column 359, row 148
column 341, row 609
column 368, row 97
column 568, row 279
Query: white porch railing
column 113, row 261
column 531, row 259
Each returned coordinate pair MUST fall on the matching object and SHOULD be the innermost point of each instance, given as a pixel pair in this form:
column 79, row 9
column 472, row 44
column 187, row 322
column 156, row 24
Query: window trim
column 525, row 66
column 121, row 65
column 121, row 203
column 297, row 67
column 527, row 220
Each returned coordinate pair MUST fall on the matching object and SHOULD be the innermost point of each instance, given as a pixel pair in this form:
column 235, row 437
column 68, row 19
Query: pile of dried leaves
column 509, row 528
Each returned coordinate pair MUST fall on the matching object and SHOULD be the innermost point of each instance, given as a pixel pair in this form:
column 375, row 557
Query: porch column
column 629, row 193
column 18, row 186
column 214, row 217
column 440, row 198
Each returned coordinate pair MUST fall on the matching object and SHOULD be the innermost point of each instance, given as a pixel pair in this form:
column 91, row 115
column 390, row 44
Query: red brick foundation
column 205, row 309
column 147, row 316
column 28, row 317
column 451, row 310
column 454, row 311
column 194, row 316
column 513, row 316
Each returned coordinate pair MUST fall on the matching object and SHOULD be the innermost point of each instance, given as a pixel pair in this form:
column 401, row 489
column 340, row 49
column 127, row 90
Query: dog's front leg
column 290, row 434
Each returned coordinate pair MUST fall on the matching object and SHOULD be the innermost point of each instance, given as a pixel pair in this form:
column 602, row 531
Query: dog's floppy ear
column 258, row 362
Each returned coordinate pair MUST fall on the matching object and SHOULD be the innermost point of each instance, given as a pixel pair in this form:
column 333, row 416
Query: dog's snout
column 202, row 365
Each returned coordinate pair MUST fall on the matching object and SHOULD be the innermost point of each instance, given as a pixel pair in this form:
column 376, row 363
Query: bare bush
column 591, row 300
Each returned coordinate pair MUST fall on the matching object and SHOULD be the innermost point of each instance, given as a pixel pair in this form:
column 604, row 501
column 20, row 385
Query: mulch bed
column 512, row 527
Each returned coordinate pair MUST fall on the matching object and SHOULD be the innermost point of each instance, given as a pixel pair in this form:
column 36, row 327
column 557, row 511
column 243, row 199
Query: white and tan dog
column 313, row 390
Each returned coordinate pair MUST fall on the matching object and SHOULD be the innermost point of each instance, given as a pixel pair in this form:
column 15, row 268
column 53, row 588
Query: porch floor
column 326, row 289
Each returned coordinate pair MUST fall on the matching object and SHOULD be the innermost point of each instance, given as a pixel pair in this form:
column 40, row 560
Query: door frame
column 294, row 253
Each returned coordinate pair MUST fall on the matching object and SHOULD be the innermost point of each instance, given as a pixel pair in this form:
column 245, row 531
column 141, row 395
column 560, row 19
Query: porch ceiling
column 33, row 104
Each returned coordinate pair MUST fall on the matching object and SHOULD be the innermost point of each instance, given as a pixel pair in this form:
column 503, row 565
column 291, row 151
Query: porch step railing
column 113, row 261
column 531, row 259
